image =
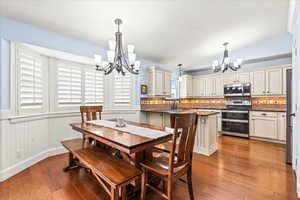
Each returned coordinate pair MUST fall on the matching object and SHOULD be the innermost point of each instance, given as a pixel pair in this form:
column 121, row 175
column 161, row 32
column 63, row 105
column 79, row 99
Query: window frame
column 45, row 65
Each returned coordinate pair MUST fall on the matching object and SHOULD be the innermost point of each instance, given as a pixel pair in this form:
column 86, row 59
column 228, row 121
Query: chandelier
column 117, row 58
column 226, row 62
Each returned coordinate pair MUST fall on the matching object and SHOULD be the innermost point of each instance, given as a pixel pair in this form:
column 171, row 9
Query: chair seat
column 160, row 165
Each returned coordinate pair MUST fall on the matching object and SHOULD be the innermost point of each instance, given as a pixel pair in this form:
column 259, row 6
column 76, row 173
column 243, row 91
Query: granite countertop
column 184, row 111
column 254, row 108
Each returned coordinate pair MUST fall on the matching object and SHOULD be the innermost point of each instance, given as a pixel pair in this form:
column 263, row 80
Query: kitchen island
column 206, row 141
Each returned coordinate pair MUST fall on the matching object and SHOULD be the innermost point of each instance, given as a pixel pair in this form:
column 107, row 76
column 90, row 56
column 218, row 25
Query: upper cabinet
column 186, row 86
column 258, row 82
column 236, row 77
column 159, row 82
column 274, row 81
column 268, row 82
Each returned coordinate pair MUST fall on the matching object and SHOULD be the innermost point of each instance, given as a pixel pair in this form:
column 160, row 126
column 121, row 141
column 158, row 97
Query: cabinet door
column 284, row 79
column 243, row 77
column 202, row 87
column 159, row 83
column 282, row 126
column 167, row 120
column 196, row 87
column 264, row 127
column 274, row 81
column 155, row 118
column 258, row 81
column 210, row 87
column 219, row 86
column 189, row 87
column 167, row 83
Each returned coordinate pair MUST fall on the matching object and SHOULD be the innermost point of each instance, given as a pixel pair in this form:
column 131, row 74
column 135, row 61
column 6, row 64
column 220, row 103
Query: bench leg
column 114, row 194
column 72, row 163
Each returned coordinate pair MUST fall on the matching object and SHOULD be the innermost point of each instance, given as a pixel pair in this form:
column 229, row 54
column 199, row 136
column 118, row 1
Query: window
column 93, row 86
column 122, row 89
column 78, row 84
column 69, row 84
column 31, row 81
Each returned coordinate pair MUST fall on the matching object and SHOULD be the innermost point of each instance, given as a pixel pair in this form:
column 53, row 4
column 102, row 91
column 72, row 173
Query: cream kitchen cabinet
column 267, row 82
column 236, row 77
column 219, row 86
column 210, row 87
column 268, row 125
column 274, row 81
column 159, row 82
column 186, row 86
column 196, row 87
column 243, row 77
column 258, row 83
column 281, row 126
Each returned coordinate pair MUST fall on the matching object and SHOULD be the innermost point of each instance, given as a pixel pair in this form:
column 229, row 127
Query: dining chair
column 178, row 162
column 89, row 113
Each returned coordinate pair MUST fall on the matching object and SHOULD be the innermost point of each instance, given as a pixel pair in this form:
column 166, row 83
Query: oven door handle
column 235, row 120
column 235, row 111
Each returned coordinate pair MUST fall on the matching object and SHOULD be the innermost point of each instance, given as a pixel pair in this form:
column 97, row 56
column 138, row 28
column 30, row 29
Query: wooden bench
column 113, row 174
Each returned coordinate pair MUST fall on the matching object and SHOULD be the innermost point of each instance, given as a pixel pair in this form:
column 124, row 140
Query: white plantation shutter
column 122, row 89
column 31, row 81
column 93, row 86
column 69, row 84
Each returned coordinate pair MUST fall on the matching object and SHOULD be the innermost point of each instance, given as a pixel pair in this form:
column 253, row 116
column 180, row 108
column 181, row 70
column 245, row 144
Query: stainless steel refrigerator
column 289, row 116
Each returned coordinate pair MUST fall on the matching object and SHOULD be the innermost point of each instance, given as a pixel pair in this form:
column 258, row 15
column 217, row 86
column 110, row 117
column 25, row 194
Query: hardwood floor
column 241, row 170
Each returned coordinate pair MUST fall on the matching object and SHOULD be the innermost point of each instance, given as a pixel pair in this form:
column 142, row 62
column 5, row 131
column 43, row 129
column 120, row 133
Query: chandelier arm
column 126, row 65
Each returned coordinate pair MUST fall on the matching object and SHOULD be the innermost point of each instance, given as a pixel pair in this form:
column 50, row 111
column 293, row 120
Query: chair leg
column 123, row 193
column 170, row 188
column 144, row 182
column 114, row 194
column 190, row 183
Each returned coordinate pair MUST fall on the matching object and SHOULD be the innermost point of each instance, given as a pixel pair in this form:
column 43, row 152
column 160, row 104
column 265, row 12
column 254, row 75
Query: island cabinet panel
column 206, row 141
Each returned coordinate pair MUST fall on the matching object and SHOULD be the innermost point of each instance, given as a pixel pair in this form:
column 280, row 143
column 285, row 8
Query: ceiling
column 165, row 31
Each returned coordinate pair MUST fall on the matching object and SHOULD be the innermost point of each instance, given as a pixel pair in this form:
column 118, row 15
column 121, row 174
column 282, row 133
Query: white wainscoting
column 27, row 140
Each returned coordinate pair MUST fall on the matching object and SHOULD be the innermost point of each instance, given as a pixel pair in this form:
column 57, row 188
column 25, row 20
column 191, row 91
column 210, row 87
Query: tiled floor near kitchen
column 241, row 170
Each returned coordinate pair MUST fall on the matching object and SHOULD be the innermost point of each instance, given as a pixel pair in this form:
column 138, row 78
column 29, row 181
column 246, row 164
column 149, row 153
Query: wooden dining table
column 133, row 148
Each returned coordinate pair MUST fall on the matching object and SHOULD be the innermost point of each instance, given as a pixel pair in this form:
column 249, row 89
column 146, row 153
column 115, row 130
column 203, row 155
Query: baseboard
column 13, row 170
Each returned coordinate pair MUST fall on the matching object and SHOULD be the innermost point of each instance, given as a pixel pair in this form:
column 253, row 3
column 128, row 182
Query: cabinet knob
column 264, row 114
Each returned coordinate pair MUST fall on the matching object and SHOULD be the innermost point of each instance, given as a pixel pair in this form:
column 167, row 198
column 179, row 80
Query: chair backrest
column 184, row 135
column 90, row 112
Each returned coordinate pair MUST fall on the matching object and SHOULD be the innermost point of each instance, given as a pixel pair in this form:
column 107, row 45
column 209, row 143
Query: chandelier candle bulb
column 105, row 63
column 112, row 45
column 137, row 64
column 131, row 57
column 98, row 59
column 130, row 48
column 110, row 56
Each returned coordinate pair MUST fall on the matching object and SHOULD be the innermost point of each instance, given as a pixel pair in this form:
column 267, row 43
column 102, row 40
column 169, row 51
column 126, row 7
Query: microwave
column 237, row 90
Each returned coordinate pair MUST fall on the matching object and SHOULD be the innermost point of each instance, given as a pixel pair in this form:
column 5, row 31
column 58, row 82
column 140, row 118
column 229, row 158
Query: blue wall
column 272, row 47
column 11, row 30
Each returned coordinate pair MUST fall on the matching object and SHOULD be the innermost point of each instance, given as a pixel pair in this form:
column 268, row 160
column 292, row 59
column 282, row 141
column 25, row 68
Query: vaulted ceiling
column 164, row 31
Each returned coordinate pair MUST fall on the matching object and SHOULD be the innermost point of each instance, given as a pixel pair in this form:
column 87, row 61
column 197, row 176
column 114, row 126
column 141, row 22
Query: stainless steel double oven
column 235, row 118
